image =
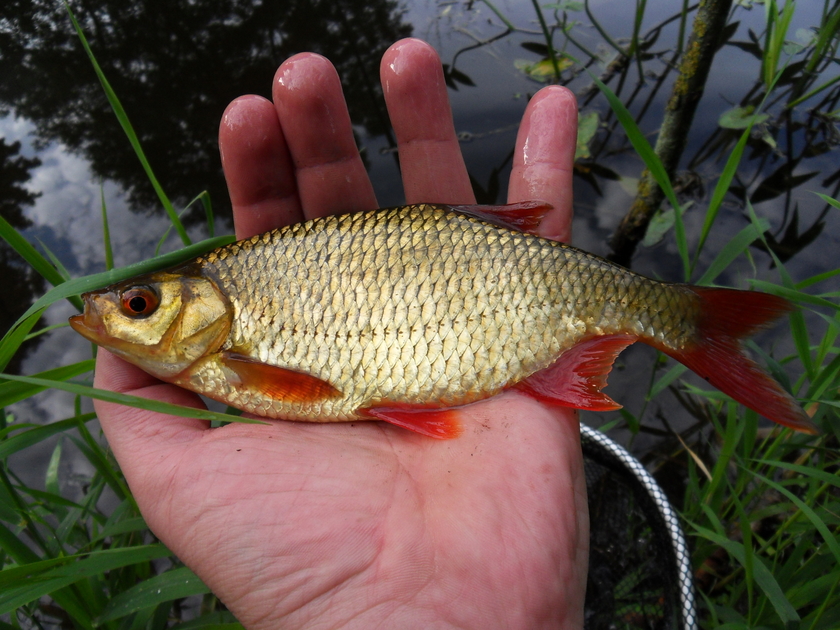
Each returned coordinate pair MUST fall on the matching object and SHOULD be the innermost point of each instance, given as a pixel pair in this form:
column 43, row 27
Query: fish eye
column 139, row 301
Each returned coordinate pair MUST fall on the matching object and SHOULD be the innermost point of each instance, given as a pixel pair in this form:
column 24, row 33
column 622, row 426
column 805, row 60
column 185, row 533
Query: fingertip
column 543, row 164
column 433, row 168
column 301, row 71
column 313, row 115
column 309, row 101
column 257, row 167
column 406, row 62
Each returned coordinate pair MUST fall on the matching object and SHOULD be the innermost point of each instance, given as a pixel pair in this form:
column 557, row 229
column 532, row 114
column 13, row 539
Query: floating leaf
column 587, row 127
column 659, row 225
column 543, row 70
column 740, row 118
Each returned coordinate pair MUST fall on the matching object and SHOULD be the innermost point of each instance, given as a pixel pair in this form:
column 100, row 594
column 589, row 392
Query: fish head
column 162, row 322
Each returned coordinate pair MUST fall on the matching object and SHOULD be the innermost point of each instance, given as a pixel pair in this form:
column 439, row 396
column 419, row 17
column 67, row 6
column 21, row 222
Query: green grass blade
column 174, row 584
column 813, row 92
column 46, row 329
column 763, row 577
column 122, row 117
column 97, row 457
column 827, row 33
column 13, row 339
column 128, row 526
column 820, row 277
column 41, row 579
column 653, row 163
column 794, row 295
column 810, row 472
column 665, row 380
column 829, row 538
column 31, row 255
column 59, row 266
column 830, row 201
column 208, row 213
column 824, row 379
column 133, row 401
column 11, row 392
column 722, row 187
column 106, row 231
column 222, row 620
column 734, row 248
column 15, row 548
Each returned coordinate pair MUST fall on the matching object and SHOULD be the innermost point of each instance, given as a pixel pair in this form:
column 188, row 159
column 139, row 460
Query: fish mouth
column 89, row 323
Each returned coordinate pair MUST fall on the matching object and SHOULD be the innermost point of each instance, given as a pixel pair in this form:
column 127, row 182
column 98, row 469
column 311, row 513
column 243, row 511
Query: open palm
column 364, row 524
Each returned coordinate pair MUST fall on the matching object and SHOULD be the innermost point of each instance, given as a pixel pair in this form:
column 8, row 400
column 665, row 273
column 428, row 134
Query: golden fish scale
column 419, row 304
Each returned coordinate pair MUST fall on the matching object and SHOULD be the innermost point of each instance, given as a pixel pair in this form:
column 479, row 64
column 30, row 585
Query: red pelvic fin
column 726, row 316
column 577, row 377
column 524, row 216
column 277, row 382
column 440, row 423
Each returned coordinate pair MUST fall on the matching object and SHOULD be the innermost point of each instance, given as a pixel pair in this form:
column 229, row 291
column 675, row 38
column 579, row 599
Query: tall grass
column 761, row 506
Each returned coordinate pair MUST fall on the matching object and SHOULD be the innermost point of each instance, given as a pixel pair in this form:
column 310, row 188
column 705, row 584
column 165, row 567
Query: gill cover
column 162, row 322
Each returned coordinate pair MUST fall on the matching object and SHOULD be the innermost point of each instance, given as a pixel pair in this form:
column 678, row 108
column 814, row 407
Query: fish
column 407, row 314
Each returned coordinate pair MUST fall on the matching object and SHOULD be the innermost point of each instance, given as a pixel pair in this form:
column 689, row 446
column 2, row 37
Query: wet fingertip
column 403, row 57
column 241, row 111
column 298, row 72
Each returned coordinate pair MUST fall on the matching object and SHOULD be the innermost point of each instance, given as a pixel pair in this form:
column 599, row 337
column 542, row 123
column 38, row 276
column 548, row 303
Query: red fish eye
column 139, row 301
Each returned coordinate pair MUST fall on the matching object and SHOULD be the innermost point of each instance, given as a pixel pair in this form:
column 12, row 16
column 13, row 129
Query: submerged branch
column 679, row 113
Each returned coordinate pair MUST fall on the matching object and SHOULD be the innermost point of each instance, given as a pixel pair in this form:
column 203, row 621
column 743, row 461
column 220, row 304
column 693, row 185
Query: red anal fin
column 278, row 383
column 440, row 423
column 577, row 377
column 524, row 216
column 725, row 316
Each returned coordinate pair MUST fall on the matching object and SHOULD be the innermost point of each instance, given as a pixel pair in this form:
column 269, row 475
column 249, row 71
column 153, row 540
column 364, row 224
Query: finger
column 258, row 168
column 544, row 158
column 330, row 175
column 432, row 166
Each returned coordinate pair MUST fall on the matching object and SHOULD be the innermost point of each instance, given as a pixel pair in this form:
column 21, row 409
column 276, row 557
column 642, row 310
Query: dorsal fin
column 524, row 216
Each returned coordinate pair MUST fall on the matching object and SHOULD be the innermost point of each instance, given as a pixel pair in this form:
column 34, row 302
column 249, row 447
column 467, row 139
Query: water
column 176, row 71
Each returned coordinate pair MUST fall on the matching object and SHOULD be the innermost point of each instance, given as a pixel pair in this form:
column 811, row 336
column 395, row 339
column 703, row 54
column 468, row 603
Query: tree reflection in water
column 175, row 65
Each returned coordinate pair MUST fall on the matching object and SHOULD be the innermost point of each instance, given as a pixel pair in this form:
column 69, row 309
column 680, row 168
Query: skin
column 366, row 525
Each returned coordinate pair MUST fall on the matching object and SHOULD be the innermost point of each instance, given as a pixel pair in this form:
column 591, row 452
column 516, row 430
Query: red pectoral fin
column 440, row 423
column 278, row 383
column 577, row 377
column 524, row 216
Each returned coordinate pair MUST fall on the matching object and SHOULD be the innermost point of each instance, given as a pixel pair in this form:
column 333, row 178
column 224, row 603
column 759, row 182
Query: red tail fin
column 727, row 315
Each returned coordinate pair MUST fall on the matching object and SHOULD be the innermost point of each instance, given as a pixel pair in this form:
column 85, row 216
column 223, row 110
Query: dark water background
column 176, row 64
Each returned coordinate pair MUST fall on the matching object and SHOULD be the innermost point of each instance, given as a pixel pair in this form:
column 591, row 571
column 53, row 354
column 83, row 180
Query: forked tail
column 726, row 316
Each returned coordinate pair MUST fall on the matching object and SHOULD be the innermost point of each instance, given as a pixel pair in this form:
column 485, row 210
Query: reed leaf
column 11, row 392
column 763, row 576
column 174, row 584
column 50, row 578
column 653, row 164
column 132, row 401
column 128, row 128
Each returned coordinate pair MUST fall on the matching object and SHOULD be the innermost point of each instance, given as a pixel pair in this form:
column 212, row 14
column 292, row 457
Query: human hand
column 367, row 525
